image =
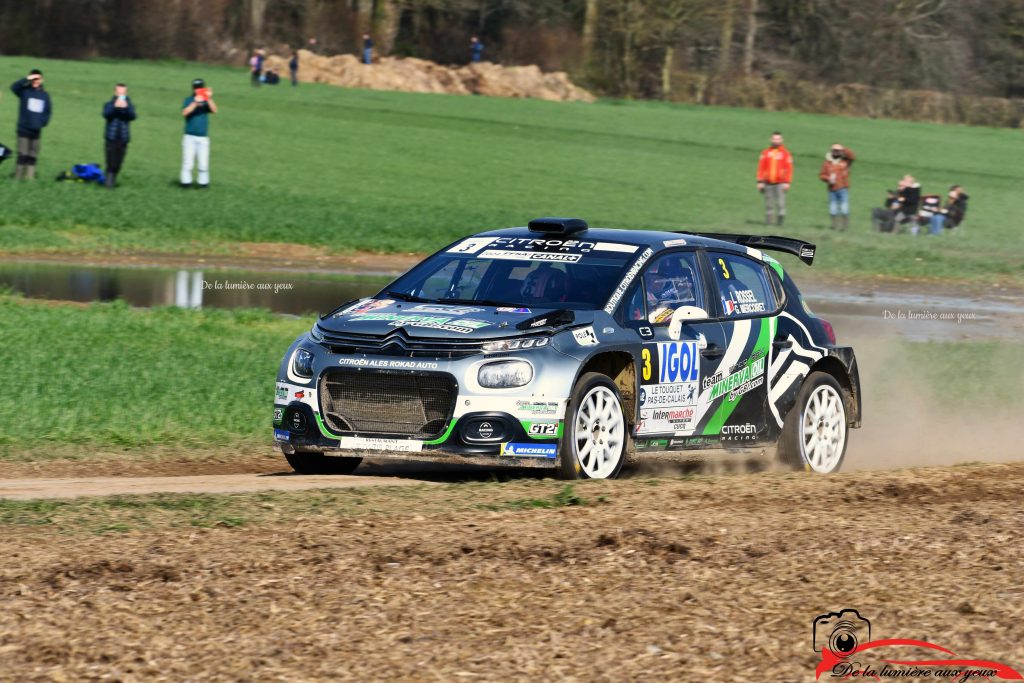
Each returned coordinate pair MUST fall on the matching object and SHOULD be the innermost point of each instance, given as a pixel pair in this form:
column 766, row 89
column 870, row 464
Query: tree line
column 714, row 51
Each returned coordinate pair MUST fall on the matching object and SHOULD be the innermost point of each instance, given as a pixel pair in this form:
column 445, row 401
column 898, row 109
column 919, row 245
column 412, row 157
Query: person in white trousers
column 195, row 146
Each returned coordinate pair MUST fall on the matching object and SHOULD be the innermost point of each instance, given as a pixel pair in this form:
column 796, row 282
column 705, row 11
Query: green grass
column 400, row 172
column 111, row 376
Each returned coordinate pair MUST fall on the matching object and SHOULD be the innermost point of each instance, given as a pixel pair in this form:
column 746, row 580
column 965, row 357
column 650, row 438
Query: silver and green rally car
column 574, row 348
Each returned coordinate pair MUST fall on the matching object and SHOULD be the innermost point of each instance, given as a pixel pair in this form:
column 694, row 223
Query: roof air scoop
column 558, row 226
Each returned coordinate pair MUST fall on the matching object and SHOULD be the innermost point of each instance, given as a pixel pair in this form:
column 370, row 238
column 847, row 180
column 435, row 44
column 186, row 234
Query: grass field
column 102, row 377
column 362, row 170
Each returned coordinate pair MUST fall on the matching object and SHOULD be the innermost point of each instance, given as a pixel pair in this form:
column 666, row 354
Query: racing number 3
column 725, row 269
column 645, row 355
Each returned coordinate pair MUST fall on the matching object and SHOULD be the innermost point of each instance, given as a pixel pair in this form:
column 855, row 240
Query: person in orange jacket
column 774, row 174
column 835, row 171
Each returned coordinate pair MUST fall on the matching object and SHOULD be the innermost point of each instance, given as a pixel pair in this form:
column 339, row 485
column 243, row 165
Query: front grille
column 398, row 343
column 397, row 403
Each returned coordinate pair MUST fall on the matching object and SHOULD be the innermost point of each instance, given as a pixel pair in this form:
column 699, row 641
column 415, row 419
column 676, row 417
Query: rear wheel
column 594, row 442
column 814, row 433
column 318, row 463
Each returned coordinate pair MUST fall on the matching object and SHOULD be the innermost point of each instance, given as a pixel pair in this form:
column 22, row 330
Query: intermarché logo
column 847, row 651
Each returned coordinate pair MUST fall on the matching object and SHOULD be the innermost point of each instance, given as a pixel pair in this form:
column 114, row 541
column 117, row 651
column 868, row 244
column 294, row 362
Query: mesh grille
column 387, row 402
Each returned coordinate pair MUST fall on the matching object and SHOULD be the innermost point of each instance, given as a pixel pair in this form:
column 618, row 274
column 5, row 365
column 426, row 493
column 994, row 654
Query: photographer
column 196, row 144
column 835, row 171
column 34, row 113
column 119, row 113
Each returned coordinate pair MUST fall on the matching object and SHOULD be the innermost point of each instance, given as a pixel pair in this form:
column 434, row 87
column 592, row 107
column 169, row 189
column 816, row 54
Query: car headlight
column 315, row 334
column 516, row 344
column 505, row 374
column 302, row 363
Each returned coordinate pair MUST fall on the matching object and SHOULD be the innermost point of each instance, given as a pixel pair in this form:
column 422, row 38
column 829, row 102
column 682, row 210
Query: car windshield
column 520, row 272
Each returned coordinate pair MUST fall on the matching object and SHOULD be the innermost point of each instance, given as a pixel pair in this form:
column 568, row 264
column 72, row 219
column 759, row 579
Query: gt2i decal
column 543, row 430
column 627, row 280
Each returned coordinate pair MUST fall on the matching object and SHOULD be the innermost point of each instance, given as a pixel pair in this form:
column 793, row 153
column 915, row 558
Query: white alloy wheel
column 823, row 429
column 599, row 434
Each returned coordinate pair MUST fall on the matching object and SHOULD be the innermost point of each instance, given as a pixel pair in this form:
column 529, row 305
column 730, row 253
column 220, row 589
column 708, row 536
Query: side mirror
column 684, row 314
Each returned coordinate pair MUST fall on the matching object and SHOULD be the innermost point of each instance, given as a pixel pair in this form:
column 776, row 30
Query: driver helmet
column 669, row 284
column 545, row 285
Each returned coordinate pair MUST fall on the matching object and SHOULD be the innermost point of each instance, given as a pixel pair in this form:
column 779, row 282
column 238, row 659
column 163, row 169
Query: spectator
column 119, row 113
column 34, row 111
column 256, row 66
column 311, row 44
column 271, row 77
column 196, row 143
column 908, row 201
column 774, row 174
column 952, row 214
column 293, row 67
column 476, row 49
column 367, row 49
column 836, row 172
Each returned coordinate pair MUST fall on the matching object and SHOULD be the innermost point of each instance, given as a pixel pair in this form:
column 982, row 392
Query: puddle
column 855, row 316
column 281, row 292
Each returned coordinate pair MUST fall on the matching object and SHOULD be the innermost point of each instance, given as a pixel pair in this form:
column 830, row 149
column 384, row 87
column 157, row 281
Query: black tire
column 318, row 463
column 569, row 465
column 789, row 452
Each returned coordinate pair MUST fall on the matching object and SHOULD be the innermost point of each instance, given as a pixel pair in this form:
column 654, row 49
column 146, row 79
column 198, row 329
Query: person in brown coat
column 835, row 171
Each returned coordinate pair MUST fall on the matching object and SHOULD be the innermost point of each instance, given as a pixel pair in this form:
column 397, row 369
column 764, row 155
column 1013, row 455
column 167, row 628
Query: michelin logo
column 526, row 450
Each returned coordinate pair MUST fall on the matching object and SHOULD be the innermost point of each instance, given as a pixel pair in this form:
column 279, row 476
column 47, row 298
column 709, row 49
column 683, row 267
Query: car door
column 673, row 360
column 735, row 392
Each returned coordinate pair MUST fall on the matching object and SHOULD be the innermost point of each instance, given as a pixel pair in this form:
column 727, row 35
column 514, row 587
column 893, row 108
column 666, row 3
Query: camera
column 841, row 633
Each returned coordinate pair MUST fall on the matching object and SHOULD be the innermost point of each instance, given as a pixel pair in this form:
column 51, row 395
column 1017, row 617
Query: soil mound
column 419, row 75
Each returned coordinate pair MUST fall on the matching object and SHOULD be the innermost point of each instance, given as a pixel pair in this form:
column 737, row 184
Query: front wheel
column 318, row 463
column 594, row 442
column 814, row 433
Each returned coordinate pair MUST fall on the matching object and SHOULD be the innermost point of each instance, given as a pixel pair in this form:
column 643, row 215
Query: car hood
column 379, row 317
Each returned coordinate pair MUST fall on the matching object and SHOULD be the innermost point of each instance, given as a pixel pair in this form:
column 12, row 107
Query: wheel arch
column 620, row 367
column 834, row 367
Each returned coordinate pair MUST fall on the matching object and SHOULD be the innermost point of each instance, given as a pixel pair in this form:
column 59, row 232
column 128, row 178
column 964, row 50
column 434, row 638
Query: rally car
column 574, row 348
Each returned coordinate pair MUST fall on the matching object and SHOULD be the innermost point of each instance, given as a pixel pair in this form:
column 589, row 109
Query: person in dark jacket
column 952, row 214
column 367, row 49
column 909, row 201
column 119, row 112
column 34, row 113
column 476, row 49
column 293, row 67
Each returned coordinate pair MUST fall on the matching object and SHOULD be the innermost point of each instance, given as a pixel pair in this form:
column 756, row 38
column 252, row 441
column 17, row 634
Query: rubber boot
column 844, row 222
column 835, row 222
column 110, row 180
column 19, row 172
column 30, row 172
column 780, row 220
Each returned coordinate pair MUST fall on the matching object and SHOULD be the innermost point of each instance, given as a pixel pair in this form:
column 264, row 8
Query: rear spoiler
column 802, row 250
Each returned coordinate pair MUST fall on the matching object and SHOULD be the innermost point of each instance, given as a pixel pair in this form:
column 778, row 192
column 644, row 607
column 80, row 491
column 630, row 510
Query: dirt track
column 702, row 579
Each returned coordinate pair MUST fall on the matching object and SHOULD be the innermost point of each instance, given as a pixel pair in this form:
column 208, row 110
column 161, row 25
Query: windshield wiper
column 481, row 302
column 402, row 296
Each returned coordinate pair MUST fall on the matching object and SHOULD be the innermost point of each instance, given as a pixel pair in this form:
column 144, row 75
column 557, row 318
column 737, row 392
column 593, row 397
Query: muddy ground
column 692, row 579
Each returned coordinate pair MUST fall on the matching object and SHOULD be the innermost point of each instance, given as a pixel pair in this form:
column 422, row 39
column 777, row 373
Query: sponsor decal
column 443, row 309
column 674, row 243
column 537, row 407
column 693, row 442
column 731, row 383
column 677, row 362
column 847, row 651
column 668, row 395
column 485, row 430
column 585, row 336
column 278, row 415
column 471, row 245
column 529, row 450
column 433, row 322
column 806, row 252
column 676, row 419
column 530, row 256
column 615, row 246
column 627, row 280
column 390, row 364
column 745, row 387
column 538, row 244
column 282, row 392
column 510, row 309
column 280, row 435
column 371, row 444
column 366, row 305
column 541, row 430
column 740, row 432
column 651, row 443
